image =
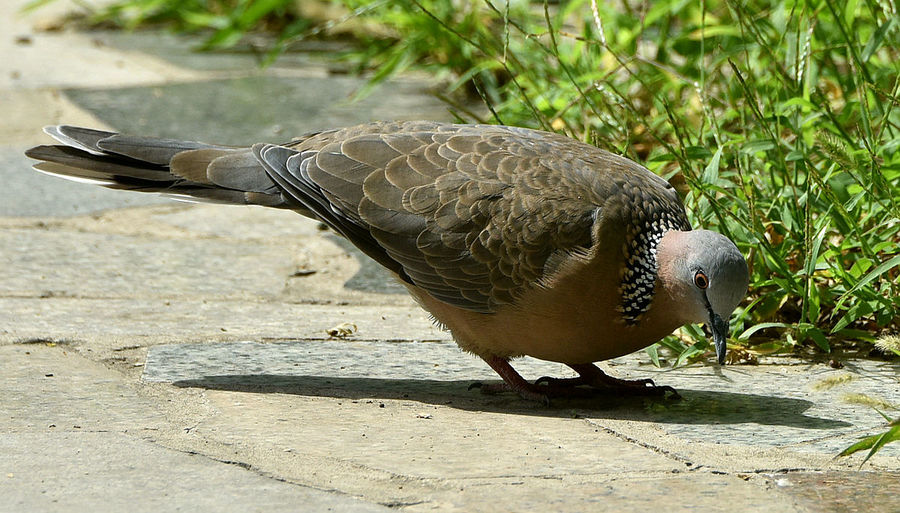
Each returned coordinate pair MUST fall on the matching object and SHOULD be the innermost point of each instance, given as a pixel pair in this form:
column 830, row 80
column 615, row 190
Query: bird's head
column 707, row 276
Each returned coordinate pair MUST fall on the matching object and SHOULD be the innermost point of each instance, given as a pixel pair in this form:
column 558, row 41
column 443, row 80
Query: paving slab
column 65, row 59
column 259, row 108
column 398, row 448
column 52, row 472
column 625, row 493
column 167, row 252
column 74, row 437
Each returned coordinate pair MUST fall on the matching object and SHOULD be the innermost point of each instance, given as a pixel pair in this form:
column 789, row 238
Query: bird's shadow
column 697, row 407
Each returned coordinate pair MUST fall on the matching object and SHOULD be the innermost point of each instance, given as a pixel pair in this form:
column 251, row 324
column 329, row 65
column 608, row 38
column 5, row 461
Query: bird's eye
column 700, row 280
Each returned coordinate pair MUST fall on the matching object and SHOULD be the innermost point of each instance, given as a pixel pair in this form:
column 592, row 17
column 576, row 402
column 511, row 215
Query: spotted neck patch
column 638, row 275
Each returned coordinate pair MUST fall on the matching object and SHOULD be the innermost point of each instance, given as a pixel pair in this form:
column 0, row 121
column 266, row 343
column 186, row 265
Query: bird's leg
column 591, row 376
column 512, row 382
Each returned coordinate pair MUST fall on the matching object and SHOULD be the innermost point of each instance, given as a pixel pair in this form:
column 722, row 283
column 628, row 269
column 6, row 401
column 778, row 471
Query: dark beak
column 720, row 333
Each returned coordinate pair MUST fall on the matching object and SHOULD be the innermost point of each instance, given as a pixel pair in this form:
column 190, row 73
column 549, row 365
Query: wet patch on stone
column 843, row 492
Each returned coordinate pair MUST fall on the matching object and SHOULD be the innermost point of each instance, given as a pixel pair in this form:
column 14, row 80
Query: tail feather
column 73, row 174
column 98, row 166
column 184, row 170
column 78, row 137
column 149, row 149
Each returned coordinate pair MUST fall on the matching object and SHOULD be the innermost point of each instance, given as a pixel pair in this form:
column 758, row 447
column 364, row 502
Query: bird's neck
column 667, row 255
column 673, row 290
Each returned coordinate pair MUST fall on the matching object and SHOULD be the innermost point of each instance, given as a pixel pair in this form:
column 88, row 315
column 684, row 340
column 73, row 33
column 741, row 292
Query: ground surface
column 158, row 356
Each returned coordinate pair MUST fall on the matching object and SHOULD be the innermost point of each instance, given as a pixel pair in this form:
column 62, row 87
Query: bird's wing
column 468, row 213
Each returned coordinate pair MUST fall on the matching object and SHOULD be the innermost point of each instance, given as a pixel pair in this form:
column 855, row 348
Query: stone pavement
column 157, row 356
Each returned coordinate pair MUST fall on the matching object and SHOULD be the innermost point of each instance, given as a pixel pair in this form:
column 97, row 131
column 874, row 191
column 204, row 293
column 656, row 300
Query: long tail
column 184, row 170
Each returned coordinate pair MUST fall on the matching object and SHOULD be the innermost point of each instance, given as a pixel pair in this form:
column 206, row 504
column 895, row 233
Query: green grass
column 876, row 442
column 779, row 121
column 225, row 21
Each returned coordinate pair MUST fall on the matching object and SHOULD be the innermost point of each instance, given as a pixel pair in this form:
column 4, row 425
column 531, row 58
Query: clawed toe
column 559, row 382
column 636, row 383
column 662, row 389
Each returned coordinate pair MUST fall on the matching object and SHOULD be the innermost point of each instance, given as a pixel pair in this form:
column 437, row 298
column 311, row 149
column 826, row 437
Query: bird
column 519, row 242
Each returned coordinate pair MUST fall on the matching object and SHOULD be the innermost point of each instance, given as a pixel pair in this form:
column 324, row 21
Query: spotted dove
column 520, row 242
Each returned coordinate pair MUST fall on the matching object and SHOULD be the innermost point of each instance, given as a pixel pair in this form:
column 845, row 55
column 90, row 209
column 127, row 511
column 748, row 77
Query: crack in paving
column 49, row 341
column 262, row 473
column 634, row 441
column 355, row 468
column 694, row 467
